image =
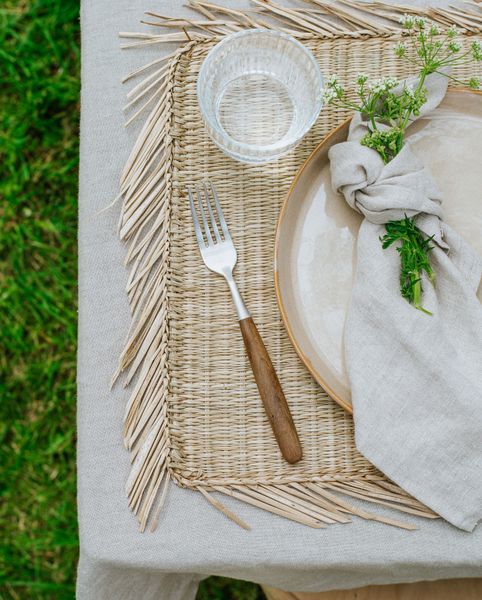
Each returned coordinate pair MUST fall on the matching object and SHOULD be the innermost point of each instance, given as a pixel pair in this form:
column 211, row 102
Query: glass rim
column 285, row 143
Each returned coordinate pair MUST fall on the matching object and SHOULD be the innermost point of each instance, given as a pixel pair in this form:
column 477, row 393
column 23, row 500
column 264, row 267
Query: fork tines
column 209, row 232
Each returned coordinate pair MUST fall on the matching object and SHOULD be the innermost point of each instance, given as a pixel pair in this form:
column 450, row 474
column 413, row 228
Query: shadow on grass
column 222, row 588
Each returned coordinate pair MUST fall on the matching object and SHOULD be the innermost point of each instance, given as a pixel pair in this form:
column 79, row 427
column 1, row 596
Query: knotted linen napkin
column 416, row 379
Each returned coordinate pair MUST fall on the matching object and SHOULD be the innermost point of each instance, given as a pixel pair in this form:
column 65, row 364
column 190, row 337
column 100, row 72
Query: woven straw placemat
column 195, row 415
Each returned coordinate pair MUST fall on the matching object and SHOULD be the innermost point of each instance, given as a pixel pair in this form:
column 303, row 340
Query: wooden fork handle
column 271, row 393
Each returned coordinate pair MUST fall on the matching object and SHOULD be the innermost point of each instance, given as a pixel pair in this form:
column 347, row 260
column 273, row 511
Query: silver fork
column 219, row 255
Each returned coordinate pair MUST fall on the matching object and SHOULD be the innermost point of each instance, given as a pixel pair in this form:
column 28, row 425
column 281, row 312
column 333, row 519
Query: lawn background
column 39, row 121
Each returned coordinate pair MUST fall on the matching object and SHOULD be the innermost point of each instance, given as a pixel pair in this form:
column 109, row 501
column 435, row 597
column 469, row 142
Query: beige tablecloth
column 193, row 540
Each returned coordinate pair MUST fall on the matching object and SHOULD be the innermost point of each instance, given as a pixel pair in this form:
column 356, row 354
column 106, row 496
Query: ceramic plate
column 315, row 239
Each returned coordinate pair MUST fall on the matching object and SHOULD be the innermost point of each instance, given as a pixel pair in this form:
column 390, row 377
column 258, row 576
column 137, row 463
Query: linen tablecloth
column 193, row 540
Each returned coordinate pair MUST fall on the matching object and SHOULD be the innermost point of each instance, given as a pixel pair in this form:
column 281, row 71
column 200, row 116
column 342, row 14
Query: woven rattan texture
column 219, row 433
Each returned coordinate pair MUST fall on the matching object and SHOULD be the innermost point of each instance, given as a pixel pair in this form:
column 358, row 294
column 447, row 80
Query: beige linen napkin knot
column 416, row 379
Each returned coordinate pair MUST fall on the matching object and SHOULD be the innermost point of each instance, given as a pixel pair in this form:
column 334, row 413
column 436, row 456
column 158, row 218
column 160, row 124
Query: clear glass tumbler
column 259, row 92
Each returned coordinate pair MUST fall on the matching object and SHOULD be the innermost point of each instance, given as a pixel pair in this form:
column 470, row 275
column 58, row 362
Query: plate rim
column 284, row 316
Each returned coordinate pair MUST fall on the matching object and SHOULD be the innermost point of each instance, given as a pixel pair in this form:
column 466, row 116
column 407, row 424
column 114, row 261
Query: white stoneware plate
column 316, row 233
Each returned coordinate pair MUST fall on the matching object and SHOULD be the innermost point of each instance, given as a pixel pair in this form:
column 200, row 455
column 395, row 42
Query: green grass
column 39, row 67
column 39, row 119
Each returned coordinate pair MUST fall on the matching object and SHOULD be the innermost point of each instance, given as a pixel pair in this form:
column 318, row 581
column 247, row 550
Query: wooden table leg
column 447, row 589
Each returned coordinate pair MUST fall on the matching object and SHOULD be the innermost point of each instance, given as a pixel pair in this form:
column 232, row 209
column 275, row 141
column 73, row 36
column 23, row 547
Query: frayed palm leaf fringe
column 145, row 189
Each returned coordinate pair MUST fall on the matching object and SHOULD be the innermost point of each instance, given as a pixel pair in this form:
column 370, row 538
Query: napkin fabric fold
column 416, row 379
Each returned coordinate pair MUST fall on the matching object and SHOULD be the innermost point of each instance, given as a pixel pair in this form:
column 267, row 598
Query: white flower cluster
column 400, row 49
column 452, row 31
column 409, row 91
column 407, row 21
column 454, row 46
column 328, row 95
column 379, row 86
column 332, row 90
column 476, row 47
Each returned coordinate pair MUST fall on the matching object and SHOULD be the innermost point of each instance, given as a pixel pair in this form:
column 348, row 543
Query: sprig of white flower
column 421, row 23
column 332, row 90
column 379, row 86
column 409, row 91
column 452, row 31
column 328, row 95
column 476, row 48
column 400, row 49
column 407, row 21
column 454, row 46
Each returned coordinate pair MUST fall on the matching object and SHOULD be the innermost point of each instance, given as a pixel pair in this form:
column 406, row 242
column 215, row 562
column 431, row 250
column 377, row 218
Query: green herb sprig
column 387, row 107
column 414, row 259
